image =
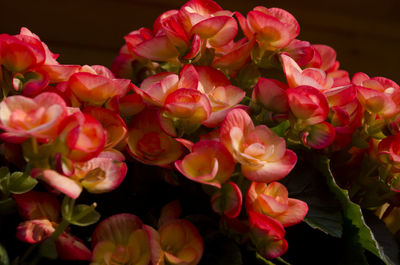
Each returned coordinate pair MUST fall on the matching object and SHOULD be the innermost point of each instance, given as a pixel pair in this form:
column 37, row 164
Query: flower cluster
column 191, row 98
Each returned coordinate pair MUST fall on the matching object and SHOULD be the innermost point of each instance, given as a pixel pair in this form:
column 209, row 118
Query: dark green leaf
column 3, row 256
column 386, row 240
column 324, row 210
column 48, row 249
column 281, row 128
column 84, row 215
column 21, row 183
column 220, row 250
column 353, row 213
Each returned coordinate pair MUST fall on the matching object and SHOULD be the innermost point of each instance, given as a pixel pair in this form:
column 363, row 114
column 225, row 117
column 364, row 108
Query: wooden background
column 366, row 33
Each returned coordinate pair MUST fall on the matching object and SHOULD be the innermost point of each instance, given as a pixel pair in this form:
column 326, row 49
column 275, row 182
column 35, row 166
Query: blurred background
column 366, row 34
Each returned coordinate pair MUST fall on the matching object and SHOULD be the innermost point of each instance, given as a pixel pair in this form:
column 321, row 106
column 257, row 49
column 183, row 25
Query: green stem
column 282, row 261
column 34, row 146
column 60, row 229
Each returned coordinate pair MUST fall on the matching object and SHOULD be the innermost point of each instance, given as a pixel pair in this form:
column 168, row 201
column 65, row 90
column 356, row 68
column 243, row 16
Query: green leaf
column 67, row 207
column 353, row 213
column 84, row 215
column 4, row 260
column 384, row 238
column 324, row 210
column 21, row 183
column 281, row 128
column 220, row 250
column 48, row 249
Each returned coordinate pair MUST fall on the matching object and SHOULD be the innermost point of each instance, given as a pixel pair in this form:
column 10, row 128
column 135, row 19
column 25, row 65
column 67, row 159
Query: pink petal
column 273, row 170
column 60, row 73
column 188, row 77
column 72, row 248
column 271, row 93
column 158, row 48
column 34, row 231
column 319, row 135
column 116, row 229
column 61, row 183
column 294, row 214
column 169, row 212
column 38, row 205
column 227, row 200
column 328, row 56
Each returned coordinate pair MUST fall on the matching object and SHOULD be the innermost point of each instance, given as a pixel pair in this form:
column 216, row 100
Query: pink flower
column 148, row 143
column 274, row 28
column 96, row 85
column 268, row 235
column 176, row 242
column 121, row 239
column 209, row 163
column 378, row 94
column 209, row 21
column 103, row 173
column 227, row 200
column 272, row 200
column 261, row 152
column 271, row 94
column 113, row 124
column 40, row 117
column 83, row 136
column 188, row 104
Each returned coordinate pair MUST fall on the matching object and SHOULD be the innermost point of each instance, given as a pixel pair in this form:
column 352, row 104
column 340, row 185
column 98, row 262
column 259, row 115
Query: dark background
column 366, row 34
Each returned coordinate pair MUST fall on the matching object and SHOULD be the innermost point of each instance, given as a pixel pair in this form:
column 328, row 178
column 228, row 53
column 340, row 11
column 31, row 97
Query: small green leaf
column 48, row 249
column 84, row 215
column 281, row 128
column 67, row 207
column 4, row 260
column 21, row 183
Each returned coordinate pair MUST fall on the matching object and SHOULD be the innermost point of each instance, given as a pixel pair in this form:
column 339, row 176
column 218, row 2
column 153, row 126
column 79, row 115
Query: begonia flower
column 22, row 117
column 274, row 28
column 83, row 136
column 227, row 200
column 113, row 124
column 209, row 163
column 262, row 154
column 209, row 21
column 148, row 143
column 378, row 94
column 120, row 239
column 96, row 88
column 268, row 235
column 272, row 200
column 176, row 242
column 271, row 94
